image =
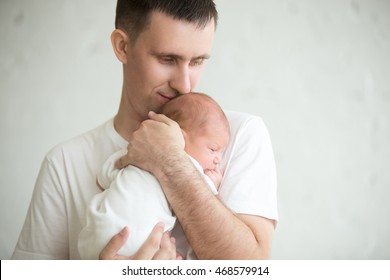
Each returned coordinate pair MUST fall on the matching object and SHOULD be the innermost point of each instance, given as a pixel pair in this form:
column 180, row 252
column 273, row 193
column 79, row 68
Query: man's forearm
column 213, row 231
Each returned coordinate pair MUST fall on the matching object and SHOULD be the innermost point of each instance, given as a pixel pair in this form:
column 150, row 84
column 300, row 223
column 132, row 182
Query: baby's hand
column 215, row 175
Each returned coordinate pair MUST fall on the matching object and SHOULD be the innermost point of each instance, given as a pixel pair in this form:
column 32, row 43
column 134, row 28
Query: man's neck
column 125, row 128
column 124, row 123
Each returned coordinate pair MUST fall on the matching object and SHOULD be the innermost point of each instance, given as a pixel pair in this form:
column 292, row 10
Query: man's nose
column 181, row 81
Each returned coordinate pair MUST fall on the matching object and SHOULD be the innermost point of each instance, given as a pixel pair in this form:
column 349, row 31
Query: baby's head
column 204, row 125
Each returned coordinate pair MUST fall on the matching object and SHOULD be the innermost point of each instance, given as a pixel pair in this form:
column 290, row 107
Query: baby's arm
column 215, row 175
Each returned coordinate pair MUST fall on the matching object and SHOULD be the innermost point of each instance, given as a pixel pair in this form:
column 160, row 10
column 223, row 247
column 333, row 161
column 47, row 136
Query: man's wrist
column 173, row 163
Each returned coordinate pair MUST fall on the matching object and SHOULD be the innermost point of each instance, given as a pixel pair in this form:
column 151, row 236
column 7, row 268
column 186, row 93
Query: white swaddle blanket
column 133, row 198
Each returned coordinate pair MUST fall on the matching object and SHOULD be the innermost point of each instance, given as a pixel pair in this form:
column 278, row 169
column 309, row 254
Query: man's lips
column 167, row 97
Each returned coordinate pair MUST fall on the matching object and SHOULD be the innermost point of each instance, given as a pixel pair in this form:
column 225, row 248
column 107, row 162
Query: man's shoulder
column 81, row 143
column 240, row 120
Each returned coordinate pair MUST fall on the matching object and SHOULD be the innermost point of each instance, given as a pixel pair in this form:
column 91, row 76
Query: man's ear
column 120, row 44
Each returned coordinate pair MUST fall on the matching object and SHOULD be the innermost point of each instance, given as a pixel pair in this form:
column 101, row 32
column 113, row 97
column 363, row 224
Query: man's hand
column 158, row 246
column 155, row 139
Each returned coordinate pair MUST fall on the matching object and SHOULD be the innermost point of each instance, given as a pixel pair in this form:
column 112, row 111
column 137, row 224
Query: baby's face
column 207, row 146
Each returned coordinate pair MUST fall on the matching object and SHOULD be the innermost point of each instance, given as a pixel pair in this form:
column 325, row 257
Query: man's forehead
column 176, row 38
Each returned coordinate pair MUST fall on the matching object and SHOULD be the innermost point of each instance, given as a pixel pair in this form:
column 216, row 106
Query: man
column 162, row 46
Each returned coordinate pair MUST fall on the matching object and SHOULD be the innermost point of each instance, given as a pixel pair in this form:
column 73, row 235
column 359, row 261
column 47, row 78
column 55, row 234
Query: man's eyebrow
column 203, row 56
column 177, row 56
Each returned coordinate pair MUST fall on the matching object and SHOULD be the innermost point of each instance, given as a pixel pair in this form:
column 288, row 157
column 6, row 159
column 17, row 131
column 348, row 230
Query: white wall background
column 317, row 71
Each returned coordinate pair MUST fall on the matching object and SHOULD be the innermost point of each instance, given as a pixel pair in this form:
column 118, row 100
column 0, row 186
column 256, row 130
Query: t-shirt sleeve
column 249, row 185
column 44, row 234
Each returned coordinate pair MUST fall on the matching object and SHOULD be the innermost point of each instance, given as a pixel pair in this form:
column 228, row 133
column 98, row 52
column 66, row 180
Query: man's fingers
column 178, row 256
column 151, row 245
column 122, row 162
column 168, row 248
column 158, row 246
column 111, row 250
column 160, row 118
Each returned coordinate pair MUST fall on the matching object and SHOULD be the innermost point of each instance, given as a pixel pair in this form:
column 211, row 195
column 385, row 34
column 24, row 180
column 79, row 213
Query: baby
column 134, row 198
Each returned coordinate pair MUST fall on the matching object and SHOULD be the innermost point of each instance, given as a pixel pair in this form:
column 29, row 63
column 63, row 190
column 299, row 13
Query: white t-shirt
column 67, row 182
column 133, row 198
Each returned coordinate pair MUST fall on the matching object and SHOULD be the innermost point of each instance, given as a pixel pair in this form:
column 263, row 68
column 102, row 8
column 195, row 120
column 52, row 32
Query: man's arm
column 213, row 231
column 44, row 234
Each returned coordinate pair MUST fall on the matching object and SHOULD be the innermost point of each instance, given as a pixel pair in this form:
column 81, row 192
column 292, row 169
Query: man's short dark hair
column 133, row 16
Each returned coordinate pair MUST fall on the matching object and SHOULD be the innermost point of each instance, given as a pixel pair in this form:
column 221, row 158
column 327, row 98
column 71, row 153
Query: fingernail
column 161, row 225
column 123, row 231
